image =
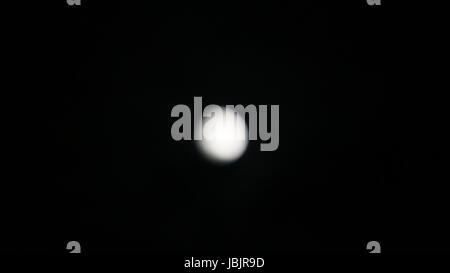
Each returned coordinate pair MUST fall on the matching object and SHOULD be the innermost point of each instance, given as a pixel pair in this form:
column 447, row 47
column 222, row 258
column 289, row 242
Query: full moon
column 224, row 137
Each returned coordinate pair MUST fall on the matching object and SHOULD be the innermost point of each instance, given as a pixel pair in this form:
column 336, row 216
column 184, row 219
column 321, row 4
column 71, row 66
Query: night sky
column 96, row 163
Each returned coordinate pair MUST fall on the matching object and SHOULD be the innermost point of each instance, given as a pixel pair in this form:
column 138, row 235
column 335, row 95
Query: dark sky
column 97, row 163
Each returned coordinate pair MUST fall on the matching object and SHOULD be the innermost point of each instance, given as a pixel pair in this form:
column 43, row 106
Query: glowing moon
column 224, row 137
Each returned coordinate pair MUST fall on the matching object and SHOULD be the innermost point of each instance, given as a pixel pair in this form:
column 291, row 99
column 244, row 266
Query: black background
column 94, row 160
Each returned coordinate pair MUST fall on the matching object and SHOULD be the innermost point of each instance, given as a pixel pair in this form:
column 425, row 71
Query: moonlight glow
column 225, row 138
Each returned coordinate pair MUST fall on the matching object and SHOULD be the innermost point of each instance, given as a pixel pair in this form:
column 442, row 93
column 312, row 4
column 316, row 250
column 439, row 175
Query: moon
column 224, row 137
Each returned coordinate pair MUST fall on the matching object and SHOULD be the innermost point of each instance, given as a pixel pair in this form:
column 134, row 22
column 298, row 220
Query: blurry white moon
column 224, row 137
